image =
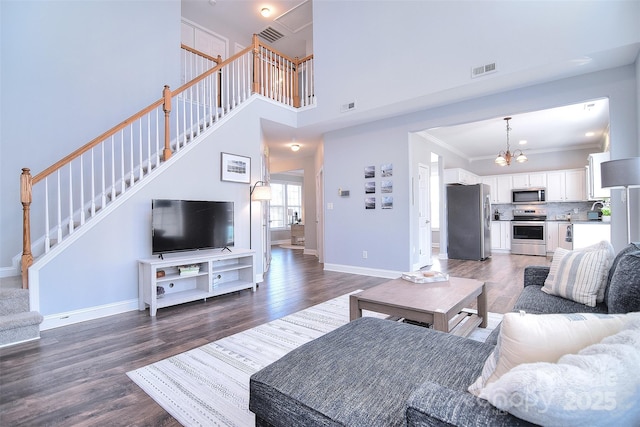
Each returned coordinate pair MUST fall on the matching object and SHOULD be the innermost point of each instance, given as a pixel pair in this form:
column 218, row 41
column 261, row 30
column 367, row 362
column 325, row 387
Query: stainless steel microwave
column 528, row 196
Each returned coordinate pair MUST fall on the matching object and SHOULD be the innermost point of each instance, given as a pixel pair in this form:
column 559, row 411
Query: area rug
column 209, row 385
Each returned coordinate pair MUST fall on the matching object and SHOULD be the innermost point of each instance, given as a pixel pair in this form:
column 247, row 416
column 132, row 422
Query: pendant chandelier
column 504, row 157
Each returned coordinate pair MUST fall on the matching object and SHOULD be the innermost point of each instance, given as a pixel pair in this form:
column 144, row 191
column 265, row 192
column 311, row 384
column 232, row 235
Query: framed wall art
column 235, row 168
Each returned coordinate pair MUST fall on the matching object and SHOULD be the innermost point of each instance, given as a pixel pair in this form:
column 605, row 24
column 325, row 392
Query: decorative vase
column 606, row 218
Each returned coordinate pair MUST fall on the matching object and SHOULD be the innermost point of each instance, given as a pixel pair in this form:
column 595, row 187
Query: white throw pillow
column 599, row 386
column 530, row 338
column 580, row 275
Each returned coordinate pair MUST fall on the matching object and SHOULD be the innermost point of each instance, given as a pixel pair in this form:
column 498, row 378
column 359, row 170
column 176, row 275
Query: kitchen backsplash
column 578, row 210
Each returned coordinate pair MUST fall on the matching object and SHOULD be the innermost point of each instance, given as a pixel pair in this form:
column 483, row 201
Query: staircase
column 60, row 200
column 17, row 323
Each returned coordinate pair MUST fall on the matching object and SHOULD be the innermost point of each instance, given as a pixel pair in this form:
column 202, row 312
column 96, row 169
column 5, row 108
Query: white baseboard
column 313, row 252
column 19, row 342
column 387, row 274
column 280, row 242
column 52, row 321
column 9, row 272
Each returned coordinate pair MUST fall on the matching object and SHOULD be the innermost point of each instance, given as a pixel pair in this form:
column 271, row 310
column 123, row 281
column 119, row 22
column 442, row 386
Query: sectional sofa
column 374, row 372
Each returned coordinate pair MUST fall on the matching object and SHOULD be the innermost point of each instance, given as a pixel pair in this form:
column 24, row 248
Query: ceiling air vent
column 270, row 34
column 483, row 69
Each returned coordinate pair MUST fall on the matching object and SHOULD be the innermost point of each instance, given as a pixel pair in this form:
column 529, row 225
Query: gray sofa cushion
column 362, row 374
column 624, row 289
column 533, row 300
column 433, row 405
column 631, row 247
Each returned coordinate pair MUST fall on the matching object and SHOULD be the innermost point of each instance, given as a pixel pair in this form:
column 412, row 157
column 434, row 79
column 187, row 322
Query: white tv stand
column 219, row 272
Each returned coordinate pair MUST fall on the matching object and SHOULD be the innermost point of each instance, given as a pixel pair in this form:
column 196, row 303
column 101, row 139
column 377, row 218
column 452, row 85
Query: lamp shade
column 620, row 173
column 262, row 192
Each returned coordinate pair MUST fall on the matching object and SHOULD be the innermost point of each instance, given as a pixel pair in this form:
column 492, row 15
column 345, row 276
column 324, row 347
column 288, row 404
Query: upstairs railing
column 63, row 197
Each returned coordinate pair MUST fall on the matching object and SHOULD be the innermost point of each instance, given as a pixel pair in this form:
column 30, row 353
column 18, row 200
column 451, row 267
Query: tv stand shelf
column 217, row 273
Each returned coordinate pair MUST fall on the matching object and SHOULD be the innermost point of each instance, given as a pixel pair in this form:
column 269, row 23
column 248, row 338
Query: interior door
column 424, row 215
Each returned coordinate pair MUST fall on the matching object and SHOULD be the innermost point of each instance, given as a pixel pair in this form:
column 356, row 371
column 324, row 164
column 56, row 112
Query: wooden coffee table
column 440, row 303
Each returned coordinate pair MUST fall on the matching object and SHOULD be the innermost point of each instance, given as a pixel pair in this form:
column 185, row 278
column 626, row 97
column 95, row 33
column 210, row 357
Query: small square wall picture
column 370, row 172
column 370, row 187
column 387, row 202
column 386, row 187
column 370, row 203
column 386, row 170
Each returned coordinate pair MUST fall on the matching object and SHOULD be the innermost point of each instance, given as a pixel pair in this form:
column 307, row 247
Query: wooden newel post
column 256, row 64
column 166, row 107
column 25, row 199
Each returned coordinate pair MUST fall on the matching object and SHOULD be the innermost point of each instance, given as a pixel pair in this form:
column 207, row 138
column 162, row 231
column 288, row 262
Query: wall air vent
column 270, row 34
column 483, row 69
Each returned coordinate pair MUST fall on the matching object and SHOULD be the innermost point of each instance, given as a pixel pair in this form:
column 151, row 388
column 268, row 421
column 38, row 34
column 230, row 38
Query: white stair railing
column 77, row 188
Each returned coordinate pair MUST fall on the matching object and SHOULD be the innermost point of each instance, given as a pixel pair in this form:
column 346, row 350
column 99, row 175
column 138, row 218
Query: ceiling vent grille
column 483, row 69
column 270, row 34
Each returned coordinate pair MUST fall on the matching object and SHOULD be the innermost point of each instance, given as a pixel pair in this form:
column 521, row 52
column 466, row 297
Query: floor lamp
column 260, row 191
column 623, row 173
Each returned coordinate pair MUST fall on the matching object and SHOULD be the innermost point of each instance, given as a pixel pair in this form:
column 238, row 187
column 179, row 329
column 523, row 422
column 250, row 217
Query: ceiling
column 240, row 19
column 556, row 129
column 551, row 130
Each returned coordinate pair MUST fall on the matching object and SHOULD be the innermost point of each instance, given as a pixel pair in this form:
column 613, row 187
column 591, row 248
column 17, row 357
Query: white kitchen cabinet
column 501, row 235
column 557, row 235
column 593, row 178
column 575, row 184
column 566, row 186
column 552, row 236
column 460, row 176
column 529, row 180
column 500, row 188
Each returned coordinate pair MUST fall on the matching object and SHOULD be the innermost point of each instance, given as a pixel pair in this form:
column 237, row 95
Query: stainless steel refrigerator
column 469, row 221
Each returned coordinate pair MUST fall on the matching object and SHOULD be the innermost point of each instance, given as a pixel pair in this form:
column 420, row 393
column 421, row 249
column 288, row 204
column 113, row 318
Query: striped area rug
column 209, row 385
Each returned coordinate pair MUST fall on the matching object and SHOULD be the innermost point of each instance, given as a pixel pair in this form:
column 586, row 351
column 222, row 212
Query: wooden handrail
column 210, row 72
column 27, row 180
column 93, row 143
column 204, row 55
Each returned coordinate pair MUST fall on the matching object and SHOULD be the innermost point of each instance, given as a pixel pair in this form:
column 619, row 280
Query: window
column 286, row 203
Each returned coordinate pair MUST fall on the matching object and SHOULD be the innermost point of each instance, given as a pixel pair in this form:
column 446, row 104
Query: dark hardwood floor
column 76, row 375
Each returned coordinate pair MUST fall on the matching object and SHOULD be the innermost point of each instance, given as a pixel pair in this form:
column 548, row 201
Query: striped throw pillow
column 578, row 275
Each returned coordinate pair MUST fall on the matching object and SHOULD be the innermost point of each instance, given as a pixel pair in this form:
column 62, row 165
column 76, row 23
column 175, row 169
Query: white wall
column 100, row 269
column 394, row 56
column 70, row 71
column 385, row 235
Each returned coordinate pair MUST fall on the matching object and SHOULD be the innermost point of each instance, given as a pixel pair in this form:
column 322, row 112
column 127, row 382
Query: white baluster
column 113, row 168
column 103, row 192
column 71, row 225
column 122, row 167
column 59, row 194
column 131, row 163
column 47, row 238
column 140, row 154
column 158, row 136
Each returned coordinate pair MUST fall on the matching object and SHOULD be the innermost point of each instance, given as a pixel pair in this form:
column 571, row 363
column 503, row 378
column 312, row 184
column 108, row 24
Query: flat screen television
column 189, row 225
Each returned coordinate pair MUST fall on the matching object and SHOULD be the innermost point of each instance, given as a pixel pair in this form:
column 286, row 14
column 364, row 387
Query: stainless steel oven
column 528, row 232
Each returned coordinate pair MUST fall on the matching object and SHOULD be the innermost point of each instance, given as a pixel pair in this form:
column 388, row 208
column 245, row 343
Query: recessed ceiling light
column 523, row 142
column 295, row 147
column 265, row 11
column 589, row 134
